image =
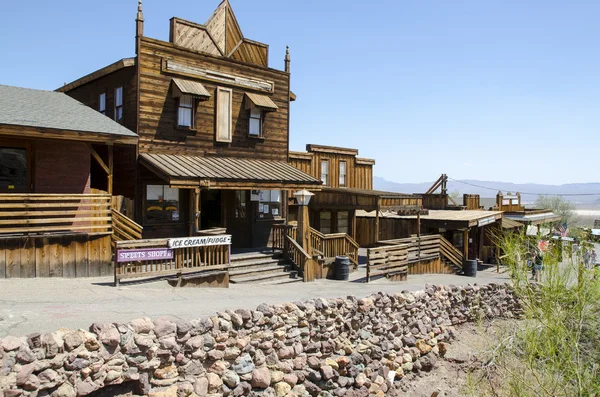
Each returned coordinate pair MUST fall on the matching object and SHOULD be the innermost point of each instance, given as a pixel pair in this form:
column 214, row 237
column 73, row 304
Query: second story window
column 325, row 172
column 256, row 122
column 119, row 104
column 185, row 115
column 102, row 103
column 342, row 174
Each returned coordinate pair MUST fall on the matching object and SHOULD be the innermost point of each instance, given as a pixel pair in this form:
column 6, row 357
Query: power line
column 534, row 194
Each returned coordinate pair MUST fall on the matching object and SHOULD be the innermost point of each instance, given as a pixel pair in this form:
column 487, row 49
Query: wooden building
column 53, row 151
column 514, row 210
column 213, row 125
column 347, row 188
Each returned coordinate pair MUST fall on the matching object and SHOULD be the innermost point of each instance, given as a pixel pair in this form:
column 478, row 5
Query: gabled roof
column 54, row 110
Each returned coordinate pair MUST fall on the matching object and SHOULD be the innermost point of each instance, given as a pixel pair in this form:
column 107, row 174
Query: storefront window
column 342, row 222
column 269, row 203
column 162, row 204
column 325, row 222
column 13, row 169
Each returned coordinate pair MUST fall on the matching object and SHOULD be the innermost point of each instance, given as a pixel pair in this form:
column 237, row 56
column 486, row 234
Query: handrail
column 451, row 253
column 296, row 254
column 124, row 228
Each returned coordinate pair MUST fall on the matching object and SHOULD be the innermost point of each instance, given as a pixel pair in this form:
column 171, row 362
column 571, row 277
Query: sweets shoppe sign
column 152, row 254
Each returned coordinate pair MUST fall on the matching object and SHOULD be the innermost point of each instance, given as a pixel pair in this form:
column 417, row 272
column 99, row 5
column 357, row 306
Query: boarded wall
column 389, row 229
column 67, row 255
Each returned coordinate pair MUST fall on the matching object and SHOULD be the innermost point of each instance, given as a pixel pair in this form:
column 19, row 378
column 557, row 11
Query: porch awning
column 227, row 172
column 188, row 87
column 261, row 101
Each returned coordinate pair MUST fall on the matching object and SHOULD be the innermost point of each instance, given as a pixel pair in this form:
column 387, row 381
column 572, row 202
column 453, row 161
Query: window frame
column 102, row 102
column 118, row 106
column 327, row 175
column 27, row 146
column 163, row 222
column 192, row 109
column 260, row 118
column 345, row 174
column 270, row 202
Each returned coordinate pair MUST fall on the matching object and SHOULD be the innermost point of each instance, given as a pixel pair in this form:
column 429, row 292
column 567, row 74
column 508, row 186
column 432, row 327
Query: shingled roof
column 54, row 110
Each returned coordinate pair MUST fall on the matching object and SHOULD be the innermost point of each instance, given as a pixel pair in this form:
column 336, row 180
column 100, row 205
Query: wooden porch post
column 377, row 221
column 110, row 169
column 466, row 243
column 353, row 230
column 481, row 235
column 197, row 193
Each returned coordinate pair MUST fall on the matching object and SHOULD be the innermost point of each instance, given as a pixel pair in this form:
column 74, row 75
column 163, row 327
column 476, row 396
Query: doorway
column 210, row 209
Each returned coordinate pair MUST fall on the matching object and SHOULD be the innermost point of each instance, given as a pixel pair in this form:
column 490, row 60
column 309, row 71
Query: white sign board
column 199, row 241
column 486, row 221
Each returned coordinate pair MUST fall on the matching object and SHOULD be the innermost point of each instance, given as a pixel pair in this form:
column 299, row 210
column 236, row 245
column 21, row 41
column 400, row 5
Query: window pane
column 13, row 168
column 342, row 222
column 185, row 117
column 325, row 172
column 119, row 114
column 264, row 196
column 102, row 103
column 276, row 196
column 186, row 101
column 255, row 113
column 255, row 127
column 119, row 96
column 162, row 204
column 325, row 222
column 240, row 204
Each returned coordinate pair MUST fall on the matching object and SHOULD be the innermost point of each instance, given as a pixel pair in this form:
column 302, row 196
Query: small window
column 240, row 204
column 325, row 172
column 13, row 170
column 256, row 116
column 119, row 105
column 162, row 204
column 342, row 173
column 269, row 203
column 102, row 103
column 185, row 116
column 342, row 222
column 325, row 222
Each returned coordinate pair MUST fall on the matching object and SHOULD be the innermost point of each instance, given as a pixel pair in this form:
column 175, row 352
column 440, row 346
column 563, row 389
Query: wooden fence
column 415, row 255
column 389, row 228
column 22, row 214
column 66, row 255
column 183, row 260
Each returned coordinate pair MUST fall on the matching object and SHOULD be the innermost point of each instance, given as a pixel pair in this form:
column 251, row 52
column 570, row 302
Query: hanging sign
column 147, row 254
column 199, row 241
column 486, row 221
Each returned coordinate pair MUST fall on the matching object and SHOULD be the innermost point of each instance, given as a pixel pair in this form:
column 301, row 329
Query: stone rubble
column 321, row 347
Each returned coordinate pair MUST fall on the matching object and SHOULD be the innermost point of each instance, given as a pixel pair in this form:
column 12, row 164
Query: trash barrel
column 342, row 268
column 471, row 268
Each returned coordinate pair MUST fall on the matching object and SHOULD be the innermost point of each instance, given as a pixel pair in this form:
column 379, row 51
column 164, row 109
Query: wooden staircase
column 261, row 268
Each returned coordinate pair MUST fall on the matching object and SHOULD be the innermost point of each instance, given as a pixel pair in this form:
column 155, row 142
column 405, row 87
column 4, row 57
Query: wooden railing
column 451, row 253
column 183, row 260
column 279, row 233
column 55, row 213
column 296, row 254
column 125, row 228
column 424, row 254
column 332, row 245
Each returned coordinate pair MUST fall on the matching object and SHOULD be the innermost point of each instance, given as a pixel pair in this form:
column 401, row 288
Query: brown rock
column 261, row 378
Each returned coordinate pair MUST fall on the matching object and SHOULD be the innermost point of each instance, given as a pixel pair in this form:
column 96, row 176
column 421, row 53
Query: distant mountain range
column 490, row 189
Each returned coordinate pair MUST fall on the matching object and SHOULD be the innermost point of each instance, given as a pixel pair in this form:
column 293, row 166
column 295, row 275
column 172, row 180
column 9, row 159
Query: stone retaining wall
column 325, row 347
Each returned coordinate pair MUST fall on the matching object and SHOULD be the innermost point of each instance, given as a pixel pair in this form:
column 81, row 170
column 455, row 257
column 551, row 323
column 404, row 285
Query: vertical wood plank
column 94, row 258
column 105, row 256
column 28, row 257
column 42, row 268
column 54, row 257
column 69, row 257
column 81, row 257
column 13, row 257
column 2, row 258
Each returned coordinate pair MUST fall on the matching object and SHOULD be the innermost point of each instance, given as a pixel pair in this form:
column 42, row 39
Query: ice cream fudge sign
column 148, row 254
column 199, row 241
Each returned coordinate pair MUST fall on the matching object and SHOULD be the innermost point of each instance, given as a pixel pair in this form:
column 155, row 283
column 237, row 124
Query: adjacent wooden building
column 213, row 125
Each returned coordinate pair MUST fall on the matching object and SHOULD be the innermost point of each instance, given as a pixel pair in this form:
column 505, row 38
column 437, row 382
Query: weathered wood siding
column 69, row 256
column 158, row 109
column 389, row 229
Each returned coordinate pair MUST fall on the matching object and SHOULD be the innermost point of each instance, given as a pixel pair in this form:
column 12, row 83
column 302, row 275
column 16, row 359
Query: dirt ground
column 457, row 373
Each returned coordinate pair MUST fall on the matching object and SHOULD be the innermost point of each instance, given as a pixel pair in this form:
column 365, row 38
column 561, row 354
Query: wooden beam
column 98, row 159
column 110, row 170
column 377, row 221
column 466, row 244
column 197, row 195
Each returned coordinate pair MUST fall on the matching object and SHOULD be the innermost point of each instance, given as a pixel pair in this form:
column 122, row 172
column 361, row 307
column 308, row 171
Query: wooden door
column 236, row 209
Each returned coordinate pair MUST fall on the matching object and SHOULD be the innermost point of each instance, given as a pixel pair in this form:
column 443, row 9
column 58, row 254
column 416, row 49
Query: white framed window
column 224, row 122
column 102, row 103
column 342, row 178
column 119, row 104
column 325, row 172
column 185, row 113
column 256, row 120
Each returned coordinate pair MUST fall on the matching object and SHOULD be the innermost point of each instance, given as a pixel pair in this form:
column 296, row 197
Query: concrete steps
column 259, row 268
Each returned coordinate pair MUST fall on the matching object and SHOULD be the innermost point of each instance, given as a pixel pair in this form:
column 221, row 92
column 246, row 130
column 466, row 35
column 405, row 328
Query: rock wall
column 325, row 347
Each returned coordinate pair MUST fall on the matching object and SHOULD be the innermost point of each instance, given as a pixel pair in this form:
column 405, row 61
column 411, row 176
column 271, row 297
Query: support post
column 466, row 244
column 481, row 235
column 110, row 170
column 419, row 234
column 377, row 221
column 197, row 209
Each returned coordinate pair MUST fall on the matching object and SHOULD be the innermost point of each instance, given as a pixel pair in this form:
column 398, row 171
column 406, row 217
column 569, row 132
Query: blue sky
column 489, row 90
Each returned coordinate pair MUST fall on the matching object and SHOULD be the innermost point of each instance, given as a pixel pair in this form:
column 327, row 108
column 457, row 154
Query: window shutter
column 224, row 102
